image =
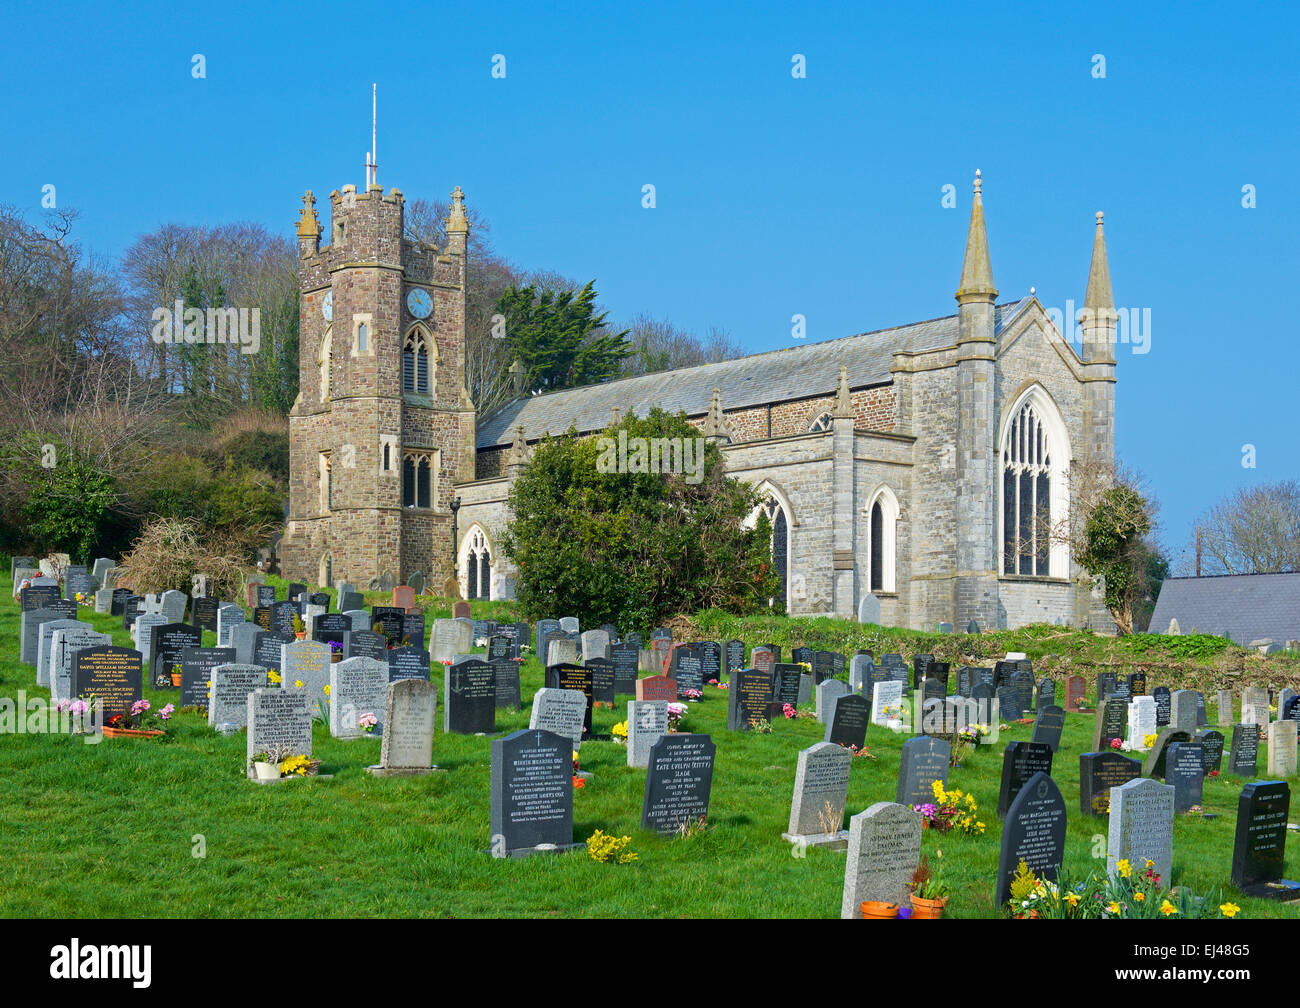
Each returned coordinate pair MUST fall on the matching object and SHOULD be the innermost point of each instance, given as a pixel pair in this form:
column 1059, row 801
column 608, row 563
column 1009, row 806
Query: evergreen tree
column 559, row 338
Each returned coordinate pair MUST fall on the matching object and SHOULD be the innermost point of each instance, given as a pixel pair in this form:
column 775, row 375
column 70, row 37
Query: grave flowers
column 140, row 721
column 176, row 675
column 929, row 891
column 676, row 711
column 953, row 809
column 367, row 722
column 1130, row 894
column 619, row 733
column 607, row 849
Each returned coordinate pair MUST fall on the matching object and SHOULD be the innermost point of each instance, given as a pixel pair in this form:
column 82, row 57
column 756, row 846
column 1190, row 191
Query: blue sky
column 775, row 196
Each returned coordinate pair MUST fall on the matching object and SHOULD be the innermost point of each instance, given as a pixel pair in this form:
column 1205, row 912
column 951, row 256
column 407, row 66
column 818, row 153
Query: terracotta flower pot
column 111, row 732
column 176, row 678
column 300, row 634
column 928, row 909
column 879, row 910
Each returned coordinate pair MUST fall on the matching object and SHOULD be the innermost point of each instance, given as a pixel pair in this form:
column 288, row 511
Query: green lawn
column 111, row 829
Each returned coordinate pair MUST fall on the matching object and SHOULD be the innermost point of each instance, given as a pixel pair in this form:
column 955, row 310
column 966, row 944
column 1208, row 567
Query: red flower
column 579, row 782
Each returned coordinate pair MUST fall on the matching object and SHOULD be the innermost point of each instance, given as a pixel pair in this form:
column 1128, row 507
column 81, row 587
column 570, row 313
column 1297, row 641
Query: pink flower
column 78, row 707
column 167, row 711
column 789, row 711
column 1115, row 743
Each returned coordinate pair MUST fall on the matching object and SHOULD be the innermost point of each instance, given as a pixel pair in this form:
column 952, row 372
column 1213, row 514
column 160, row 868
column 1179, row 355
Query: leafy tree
column 1113, row 546
column 559, row 338
column 66, row 502
column 634, row 548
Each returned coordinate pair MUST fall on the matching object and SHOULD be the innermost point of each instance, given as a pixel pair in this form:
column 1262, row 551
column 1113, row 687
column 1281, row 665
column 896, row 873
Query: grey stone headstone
column 828, row 692
column 231, row 687
column 30, row 621
column 561, row 711
column 569, row 624
column 449, row 638
column 886, row 695
column 358, row 686
column 884, row 849
column 1254, row 706
column 45, row 647
column 1182, row 710
column 860, row 668
column 1142, row 826
column 143, row 632
column 647, row 723
column 173, row 605
column 821, row 788
column 869, row 610
column 1281, row 748
column 277, row 718
column 63, row 647
column 1141, row 721
column 409, row 716
column 562, row 651
column 307, row 662
column 944, row 628
column 228, row 616
column 972, row 627
column 243, row 638
column 104, row 601
column 595, row 644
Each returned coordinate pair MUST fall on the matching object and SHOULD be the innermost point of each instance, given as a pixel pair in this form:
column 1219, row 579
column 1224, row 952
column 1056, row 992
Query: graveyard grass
column 114, row 829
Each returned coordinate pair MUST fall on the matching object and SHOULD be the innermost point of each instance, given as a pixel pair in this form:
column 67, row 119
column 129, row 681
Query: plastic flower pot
column 176, row 678
column 267, row 771
column 879, row 910
column 928, row 909
column 111, row 732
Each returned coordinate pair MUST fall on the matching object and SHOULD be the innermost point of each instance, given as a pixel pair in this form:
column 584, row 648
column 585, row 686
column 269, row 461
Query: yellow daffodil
column 1114, row 907
column 1123, row 867
column 1229, row 910
column 1140, row 896
column 1072, row 898
column 1150, row 863
column 1168, row 908
column 327, row 691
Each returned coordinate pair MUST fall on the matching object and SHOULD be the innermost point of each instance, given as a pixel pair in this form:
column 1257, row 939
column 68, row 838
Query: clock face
column 419, row 303
column 327, row 306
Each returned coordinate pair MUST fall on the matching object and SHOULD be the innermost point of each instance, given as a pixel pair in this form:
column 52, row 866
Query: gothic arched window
column 882, row 522
column 476, row 561
column 1033, row 490
column 417, row 479
column 415, row 363
column 822, row 423
column 780, row 543
column 324, row 362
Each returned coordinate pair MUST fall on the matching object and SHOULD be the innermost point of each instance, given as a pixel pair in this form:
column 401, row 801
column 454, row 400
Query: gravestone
column 268, row 648
column 787, row 682
column 120, row 595
column 1182, row 711
column 532, row 793
column 1254, row 707
column 166, row 643
column 329, row 628
column 1048, row 727
column 403, row 596
column 243, row 641
column 821, row 787
column 1076, row 693
column 1141, row 721
column 573, row 677
column 1021, row 761
column 282, row 614
column 561, row 711
column 920, row 669
column 231, row 687
column 391, row 622
column 406, row 663
column 826, row 665
column 63, row 646
column 660, row 688
column 104, row 601
column 358, row 686
column 410, row 711
column 99, row 572
column 1044, row 694
column 310, row 613
column 972, row 627
column 77, row 581
column 1225, row 708
column 1281, row 748
column 595, row 644
column 860, row 668
column 984, row 696
column 368, row 644
column 1201, row 719
column 309, row 663
column 173, row 605
column 469, row 698
column 1110, row 722
column 848, row 723
column 227, row 616
column 923, row 761
column 1106, row 683
column 1212, row 748
column 132, row 609
column 561, row 651
column 748, row 699
column 1137, row 684
column 145, row 624
column 38, row 596
column 197, row 664
column 828, row 691
column 734, row 656
column 544, row 631
column 1164, row 704
column 448, row 639
column 1154, row 766
column 348, row 600
column 647, row 723
column 1243, row 755
column 1023, row 683
column 624, row 658
column 1185, row 773
column 1098, row 773
column 886, row 702
column 869, row 610
column 1010, row 703
column 1034, row 832
column 30, row 621
column 203, row 614
column 276, row 718
column 45, row 646
column 265, row 595
column 460, row 610
column 678, row 780
column 602, row 681
column 1259, row 847
column 413, row 628
column 710, row 661
column 570, row 625
column 113, row 674
column 1141, row 827
column 802, row 656
column 883, row 852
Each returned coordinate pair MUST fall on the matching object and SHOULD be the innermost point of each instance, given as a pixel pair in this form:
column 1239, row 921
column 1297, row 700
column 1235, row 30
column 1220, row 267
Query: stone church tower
column 383, row 425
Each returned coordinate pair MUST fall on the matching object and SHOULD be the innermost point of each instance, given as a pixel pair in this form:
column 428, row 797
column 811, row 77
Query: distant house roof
column 809, row 369
column 1247, row 606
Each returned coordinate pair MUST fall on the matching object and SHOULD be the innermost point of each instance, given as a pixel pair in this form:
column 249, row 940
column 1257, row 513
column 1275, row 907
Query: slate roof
column 1248, row 606
column 810, row 369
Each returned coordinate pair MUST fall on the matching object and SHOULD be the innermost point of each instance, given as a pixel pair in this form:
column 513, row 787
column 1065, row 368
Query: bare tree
column 1255, row 530
column 659, row 345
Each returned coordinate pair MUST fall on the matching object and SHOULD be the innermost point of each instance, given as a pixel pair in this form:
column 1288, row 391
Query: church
column 908, row 471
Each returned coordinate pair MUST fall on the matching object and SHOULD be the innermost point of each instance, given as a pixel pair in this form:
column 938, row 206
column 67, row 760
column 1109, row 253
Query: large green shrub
column 634, row 548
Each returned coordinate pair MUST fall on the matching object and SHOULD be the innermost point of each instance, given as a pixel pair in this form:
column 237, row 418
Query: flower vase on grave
column 879, row 910
column 927, row 909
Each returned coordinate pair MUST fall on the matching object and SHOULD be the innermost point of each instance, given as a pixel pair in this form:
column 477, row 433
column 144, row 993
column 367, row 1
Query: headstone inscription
column 280, row 718
column 112, row 674
column 821, row 787
column 884, row 848
column 229, row 692
column 1020, row 762
column 1049, row 725
column 410, row 711
column 624, row 657
column 647, row 723
column 1281, row 748
column 1185, row 773
column 470, row 698
column 924, row 760
column 602, row 680
column 1110, row 722
column 532, row 793
column 197, row 664
column 63, row 647
column 848, row 726
column 1076, row 693
column 166, row 644
column 573, row 677
column 678, row 781
column 1161, row 695
column 1212, row 748
column 748, row 699
column 203, row 613
column 1141, row 826
column 1098, row 773
column 358, row 692
column 659, row 688
column 562, row 712
column 1034, row 832
column 405, row 663
column 1259, row 847
column 1243, row 756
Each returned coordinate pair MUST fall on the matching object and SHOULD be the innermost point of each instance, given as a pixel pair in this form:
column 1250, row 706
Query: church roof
column 798, row 372
column 1246, row 606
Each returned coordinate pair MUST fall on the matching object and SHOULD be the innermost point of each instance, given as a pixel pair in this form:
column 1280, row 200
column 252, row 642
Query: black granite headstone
column 1259, row 849
column 471, row 692
column 678, row 781
column 1048, row 726
column 1034, row 832
column 197, row 664
column 1020, row 762
column 113, row 674
column 848, row 725
column 407, row 663
column 1098, row 773
column 532, row 792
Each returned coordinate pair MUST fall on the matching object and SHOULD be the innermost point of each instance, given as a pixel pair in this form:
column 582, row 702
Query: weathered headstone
column 821, row 787
column 1141, row 721
column 883, row 852
column 231, row 686
column 358, row 687
column 1225, row 708
column 410, row 711
column 1182, row 710
column 561, row 711
column 1141, row 826
column 1154, row 766
column 869, row 610
column 828, row 691
column 277, row 717
column 1281, row 749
